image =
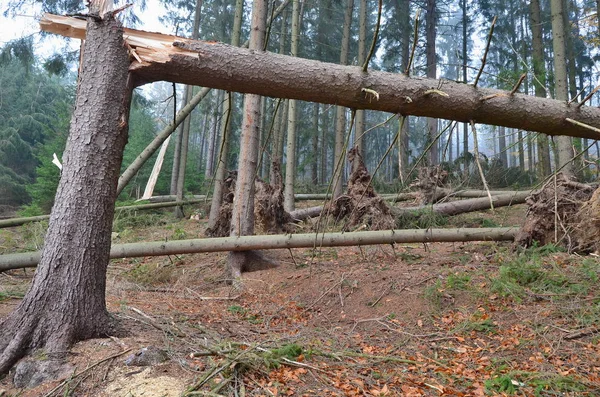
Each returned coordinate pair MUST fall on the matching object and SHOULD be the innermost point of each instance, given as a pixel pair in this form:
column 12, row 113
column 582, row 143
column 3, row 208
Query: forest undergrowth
column 475, row 319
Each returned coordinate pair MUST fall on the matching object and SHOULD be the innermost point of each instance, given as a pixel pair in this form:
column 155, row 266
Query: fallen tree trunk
column 468, row 205
column 140, row 207
column 172, row 197
column 469, row 193
column 164, row 57
column 308, row 240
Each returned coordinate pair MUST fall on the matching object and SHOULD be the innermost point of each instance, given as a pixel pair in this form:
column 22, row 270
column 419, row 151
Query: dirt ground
column 475, row 319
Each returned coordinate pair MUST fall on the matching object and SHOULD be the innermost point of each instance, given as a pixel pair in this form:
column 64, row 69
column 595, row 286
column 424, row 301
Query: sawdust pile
column 361, row 206
column 561, row 212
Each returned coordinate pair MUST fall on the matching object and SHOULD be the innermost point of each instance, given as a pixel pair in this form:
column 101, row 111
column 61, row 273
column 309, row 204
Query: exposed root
column 553, row 215
column 270, row 216
column 361, row 206
column 428, row 182
column 222, row 226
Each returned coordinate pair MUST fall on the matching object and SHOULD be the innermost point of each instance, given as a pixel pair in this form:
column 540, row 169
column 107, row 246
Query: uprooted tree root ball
column 361, row 206
column 271, row 217
column 561, row 212
column 429, row 183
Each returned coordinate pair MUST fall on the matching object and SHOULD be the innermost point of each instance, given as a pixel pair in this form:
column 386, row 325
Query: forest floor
column 441, row 319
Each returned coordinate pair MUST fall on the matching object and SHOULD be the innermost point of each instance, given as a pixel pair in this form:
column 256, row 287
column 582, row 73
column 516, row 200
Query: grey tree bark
column 359, row 118
column 242, row 215
column 290, row 152
column 201, row 63
column 564, row 144
column 430, row 29
column 66, row 300
column 225, row 132
column 340, row 111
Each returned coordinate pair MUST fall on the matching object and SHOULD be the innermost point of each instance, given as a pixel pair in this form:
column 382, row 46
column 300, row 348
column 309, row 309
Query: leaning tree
column 66, row 300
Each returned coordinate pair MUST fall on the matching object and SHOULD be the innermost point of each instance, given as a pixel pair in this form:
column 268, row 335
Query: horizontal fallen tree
column 308, row 240
column 448, row 208
column 468, row 205
column 159, row 57
column 140, row 207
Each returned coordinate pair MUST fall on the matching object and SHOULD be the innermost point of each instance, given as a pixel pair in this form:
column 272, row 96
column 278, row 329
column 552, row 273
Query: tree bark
column 242, row 215
column 359, row 118
column 339, row 156
column 175, row 59
column 225, row 132
column 565, row 147
column 66, row 300
column 290, row 169
column 430, row 29
column 468, row 205
column 280, row 241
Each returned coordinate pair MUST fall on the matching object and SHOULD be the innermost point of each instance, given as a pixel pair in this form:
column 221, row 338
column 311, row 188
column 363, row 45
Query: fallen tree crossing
column 308, row 240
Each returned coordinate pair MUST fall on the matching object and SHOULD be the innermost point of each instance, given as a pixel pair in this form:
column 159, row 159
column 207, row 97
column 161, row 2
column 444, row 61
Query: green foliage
column 544, row 384
column 132, row 220
column 535, row 271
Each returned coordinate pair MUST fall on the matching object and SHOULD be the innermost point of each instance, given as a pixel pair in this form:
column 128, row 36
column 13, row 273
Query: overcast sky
column 27, row 23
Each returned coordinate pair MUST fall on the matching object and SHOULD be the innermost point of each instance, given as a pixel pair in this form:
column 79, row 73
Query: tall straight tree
column 362, row 55
column 66, row 301
column 403, row 141
column 539, row 81
column 242, row 216
column 184, row 136
column 290, row 169
column 430, row 33
column 565, row 147
column 225, row 132
column 340, row 111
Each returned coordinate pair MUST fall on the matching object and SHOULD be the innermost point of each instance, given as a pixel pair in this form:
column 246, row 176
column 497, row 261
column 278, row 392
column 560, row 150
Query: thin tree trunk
column 290, row 169
column 340, row 111
column 403, row 139
column 184, row 137
column 242, row 214
column 222, row 155
column 430, row 29
column 565, row 148
column 359, row 118
column 539, row 71
column 315, row 146
column 288, row 241
column 66, row 301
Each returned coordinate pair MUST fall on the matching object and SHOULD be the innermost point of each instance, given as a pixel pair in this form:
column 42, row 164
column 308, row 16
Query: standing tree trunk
column 360, row 114
column 539, row 71
column 340, row 111
column 66, row 300
column 222, row 155
column 403, row 139
column 465, row 80
column 314, row 175
column 290, row 169
column 185, row 131
column 242, row 215
column 432, row 124
column 565, row 149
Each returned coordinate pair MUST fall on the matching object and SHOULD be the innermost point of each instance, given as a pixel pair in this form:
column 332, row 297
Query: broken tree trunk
column 308, row 240
column 163, row 57
column 66, row 301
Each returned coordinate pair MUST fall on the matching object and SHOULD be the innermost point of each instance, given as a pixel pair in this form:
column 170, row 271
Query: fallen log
column 308, row 240
column 468, row 205
column 163, row 57
column 140, row 207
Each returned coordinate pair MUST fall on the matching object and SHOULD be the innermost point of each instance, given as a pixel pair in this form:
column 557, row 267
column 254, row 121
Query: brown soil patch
column 408, row 320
